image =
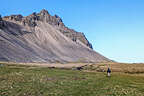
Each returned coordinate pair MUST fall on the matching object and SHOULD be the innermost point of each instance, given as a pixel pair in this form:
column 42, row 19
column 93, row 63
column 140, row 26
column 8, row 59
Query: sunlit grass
column 28, row 81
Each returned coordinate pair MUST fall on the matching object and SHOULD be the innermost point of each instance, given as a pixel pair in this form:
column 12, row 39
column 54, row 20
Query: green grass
column 35, row 81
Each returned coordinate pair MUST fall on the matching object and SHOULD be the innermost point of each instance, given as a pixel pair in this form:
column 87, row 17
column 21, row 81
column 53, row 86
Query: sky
column 114, row 27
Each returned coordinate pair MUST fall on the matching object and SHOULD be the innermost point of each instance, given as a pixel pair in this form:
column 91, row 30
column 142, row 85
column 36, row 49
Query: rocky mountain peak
column 41, row 37
column 55, row 21
column 46, row 17
column 44, row 12
column 31, row 20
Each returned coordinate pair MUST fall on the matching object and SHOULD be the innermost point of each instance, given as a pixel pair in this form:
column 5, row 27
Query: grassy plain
column 22, row 80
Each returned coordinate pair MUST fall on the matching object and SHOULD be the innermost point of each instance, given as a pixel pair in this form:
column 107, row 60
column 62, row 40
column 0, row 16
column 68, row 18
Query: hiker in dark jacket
column 108, row 72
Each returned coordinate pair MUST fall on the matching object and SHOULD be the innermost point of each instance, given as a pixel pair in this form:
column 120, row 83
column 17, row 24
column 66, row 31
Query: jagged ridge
column 55, row 21
column 41, row 37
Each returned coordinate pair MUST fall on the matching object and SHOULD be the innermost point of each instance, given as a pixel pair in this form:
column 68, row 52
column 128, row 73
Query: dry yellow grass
column 101, row 67
column 118, row 67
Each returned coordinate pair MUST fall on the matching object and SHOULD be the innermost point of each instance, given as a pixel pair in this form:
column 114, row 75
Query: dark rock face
column 1, row 22
column 30, row 20
column 0, row 18
column 75, row 36
column 55, row 21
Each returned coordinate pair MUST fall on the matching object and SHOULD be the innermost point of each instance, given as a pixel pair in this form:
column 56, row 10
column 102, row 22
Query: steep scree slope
column 41, row 37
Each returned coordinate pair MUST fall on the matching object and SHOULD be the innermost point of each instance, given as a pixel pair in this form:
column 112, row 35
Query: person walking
column 108, row 72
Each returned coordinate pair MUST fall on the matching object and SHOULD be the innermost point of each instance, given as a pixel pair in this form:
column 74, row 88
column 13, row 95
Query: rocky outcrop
column 1, row 22
column 30, row 20
column 55, row 21
column 75, row 36
column 14, row 17
column 0, row 18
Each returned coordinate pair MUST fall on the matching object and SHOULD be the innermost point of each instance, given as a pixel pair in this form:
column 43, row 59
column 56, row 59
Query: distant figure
column 108, row 72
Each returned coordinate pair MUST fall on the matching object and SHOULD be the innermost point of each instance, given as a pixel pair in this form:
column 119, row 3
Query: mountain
column 41, row 37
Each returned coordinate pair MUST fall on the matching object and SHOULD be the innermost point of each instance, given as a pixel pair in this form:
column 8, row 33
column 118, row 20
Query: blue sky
column 114, row 27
